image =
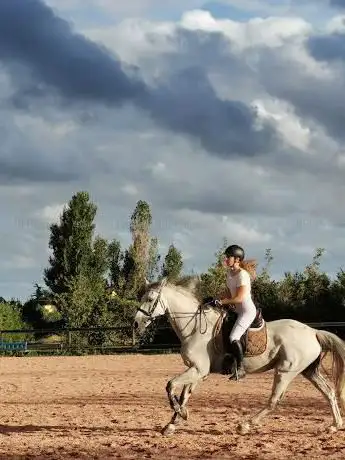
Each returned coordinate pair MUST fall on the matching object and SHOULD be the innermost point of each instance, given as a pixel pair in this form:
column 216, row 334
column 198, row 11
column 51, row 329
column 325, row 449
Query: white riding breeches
column 243, row 321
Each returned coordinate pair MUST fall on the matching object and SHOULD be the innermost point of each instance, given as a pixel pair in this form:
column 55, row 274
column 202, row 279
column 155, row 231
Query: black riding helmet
column 235, row 251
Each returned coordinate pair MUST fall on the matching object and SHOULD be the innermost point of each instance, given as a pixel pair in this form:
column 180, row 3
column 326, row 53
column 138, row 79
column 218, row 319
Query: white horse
column 293, row 348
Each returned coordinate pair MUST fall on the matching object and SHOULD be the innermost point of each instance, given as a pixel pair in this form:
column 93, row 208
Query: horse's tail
column 332, row 343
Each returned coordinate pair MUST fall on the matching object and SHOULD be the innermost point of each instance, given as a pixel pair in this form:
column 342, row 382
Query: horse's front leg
column 191, row 376
column 183, row 413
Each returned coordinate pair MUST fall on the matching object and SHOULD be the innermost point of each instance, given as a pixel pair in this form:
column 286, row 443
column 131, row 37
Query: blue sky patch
column 222, row 11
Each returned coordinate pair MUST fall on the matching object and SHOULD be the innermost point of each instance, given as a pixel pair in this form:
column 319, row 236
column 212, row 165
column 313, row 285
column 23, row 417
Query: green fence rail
column 14, row 346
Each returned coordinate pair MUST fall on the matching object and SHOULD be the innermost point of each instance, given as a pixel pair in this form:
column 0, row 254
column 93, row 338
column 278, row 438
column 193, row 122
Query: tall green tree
column 173, row 264
column 81, row 300
column 71, row 243
column 136, row 262
column 98, row 266
column 78, row 264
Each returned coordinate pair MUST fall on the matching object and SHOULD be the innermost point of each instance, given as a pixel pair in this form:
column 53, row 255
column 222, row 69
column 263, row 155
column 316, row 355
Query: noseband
column 153, row 307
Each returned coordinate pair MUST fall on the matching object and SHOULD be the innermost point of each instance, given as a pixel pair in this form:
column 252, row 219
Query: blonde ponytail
column 250, row 267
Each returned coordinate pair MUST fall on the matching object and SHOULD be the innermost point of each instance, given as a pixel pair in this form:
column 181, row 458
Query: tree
column 337, row 303
column 154, row 258
column 265, row 271
column 80, row 300
column 71, row 243
column 173, row 264
column 33, row 309
column 316, row 288
column 79, row 263
column 128, row 266
column 136, row 262
column 115, row 258
column 265, row 291
column 213, row 282
column 98, row 265
column 11, row 319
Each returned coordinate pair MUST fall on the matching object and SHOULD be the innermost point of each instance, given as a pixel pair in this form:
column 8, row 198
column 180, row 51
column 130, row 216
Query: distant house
column 49, row 308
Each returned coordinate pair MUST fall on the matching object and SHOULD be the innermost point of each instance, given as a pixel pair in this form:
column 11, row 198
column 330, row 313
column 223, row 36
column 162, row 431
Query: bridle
column 158, row 300
column 153, row 307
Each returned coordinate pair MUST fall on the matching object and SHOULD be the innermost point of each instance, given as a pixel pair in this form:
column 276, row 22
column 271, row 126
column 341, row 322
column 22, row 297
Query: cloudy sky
column 228, row 117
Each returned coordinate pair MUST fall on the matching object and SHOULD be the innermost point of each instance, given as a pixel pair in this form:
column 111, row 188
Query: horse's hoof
column 168, row 430
column 243, row 428
column 184, row 413
column 333, row 429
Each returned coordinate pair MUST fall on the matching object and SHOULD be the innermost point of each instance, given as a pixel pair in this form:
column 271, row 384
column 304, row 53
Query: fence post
column 69, row 339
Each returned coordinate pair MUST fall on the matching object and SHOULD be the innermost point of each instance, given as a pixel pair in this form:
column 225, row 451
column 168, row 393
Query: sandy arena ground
column 104, row 407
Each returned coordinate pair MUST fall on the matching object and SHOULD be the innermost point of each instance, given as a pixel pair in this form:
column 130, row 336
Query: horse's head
column 153, row 304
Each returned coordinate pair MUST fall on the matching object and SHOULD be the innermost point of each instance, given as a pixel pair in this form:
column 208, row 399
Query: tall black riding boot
column 237, row 350
column 229, row 364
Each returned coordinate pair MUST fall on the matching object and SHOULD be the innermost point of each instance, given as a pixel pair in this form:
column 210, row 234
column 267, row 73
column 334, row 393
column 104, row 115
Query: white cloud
column 243, row 232
column 158, row 169
column 219, row 226
column 286, row 121
column 130, row 189
column 137, row 39
column 117, row 9
column 45, row 130
column 268, row 32
column 50, row 213
column 336, row 24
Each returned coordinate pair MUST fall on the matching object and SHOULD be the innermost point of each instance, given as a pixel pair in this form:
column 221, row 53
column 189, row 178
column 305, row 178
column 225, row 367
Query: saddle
column 254, row 341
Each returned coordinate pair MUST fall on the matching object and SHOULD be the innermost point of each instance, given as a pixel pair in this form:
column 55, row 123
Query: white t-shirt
column 233, row 282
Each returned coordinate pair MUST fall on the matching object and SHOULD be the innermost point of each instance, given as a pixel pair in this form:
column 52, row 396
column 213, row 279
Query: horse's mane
column 188, row 284
column 153, row 285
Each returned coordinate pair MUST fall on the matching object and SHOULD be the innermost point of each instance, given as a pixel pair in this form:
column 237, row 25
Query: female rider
column 239, row 284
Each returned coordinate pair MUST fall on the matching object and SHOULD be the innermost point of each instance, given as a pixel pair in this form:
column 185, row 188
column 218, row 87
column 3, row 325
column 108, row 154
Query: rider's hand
column 215, row 303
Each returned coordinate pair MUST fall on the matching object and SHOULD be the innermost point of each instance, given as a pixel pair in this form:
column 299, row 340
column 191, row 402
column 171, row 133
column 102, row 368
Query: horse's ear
column 147, row 282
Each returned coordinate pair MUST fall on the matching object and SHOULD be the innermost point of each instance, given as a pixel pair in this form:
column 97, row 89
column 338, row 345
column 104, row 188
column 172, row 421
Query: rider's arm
column 241, row 292
column 242, row 287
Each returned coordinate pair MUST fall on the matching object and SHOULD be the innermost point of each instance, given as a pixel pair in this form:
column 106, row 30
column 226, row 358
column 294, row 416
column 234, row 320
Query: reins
column 199, row 314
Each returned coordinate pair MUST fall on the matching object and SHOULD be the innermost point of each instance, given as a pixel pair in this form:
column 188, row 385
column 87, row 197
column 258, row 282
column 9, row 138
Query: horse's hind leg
column 280, row 383
column 321, row 383
column 183, row 413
